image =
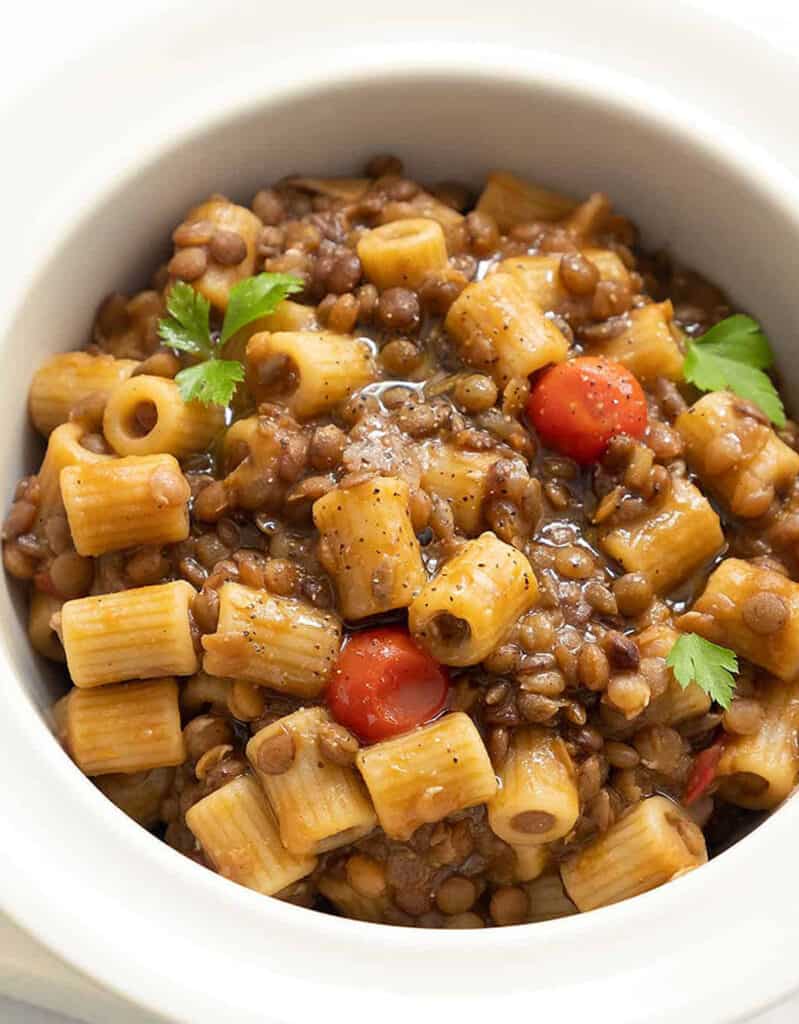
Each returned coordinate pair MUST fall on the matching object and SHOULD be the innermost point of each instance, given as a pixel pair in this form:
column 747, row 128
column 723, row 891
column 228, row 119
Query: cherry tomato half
column 578, row 406
column 383, row 684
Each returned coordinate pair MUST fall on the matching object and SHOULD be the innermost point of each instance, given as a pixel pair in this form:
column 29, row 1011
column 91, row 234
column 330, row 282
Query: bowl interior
column 686, row 188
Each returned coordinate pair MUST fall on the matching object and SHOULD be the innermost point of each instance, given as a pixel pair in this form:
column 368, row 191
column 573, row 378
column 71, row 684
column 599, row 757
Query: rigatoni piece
column 139, row 795
column 132, row 634
column 237, row 830
column 753, row 610
column 511, row 200
column 64, row 448
column 141, row 499
column 289, row 316
column 274, row 641
column 759, row 771
column 425, row 775
column 220, row 215
column 44, row 639
column 537, row 800
column 530, row 862
column 319, row 805
column 369, row 547
column 678, row 534
column 309, row 371
column 548, row 899
column 429, row 208
column 646, row 847
column 498, row 328
column 351, row 903
column 59, row 719
column 146, row 416
column 401, row 254
column 460, row 477
column 133, row 727
column 541, row 278
column 736, row 452
column 66, row 379
column 467, row 610
column 677, row 703
column 648, row 346
column 252, row 453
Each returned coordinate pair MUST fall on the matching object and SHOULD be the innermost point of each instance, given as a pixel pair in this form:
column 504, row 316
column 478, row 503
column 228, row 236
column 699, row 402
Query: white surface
column 26, row 52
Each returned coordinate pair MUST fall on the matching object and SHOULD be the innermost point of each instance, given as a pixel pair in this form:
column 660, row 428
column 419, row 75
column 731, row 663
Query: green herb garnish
column 696, row 660
column 212, row 381
column 733, row 354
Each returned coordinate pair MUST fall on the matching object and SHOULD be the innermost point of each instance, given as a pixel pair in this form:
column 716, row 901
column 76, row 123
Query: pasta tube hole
column 141, row 419
column 745, row 785
column 277, row 376
column 533, row 822
column 448, row 632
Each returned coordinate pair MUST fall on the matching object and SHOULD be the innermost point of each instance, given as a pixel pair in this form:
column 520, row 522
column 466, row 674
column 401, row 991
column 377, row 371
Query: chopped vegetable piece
column 578, row 406
column 384, row 684
column 187, row 329
column 696, row 660
column 703, row 772
column 733, row 354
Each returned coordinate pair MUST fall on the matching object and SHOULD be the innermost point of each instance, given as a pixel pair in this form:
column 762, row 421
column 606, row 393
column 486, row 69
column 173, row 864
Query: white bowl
column 107, row 159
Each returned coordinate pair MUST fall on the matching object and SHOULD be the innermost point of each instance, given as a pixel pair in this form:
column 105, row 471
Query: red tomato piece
column 579, row 405
column 383, row 684
column 703, row 773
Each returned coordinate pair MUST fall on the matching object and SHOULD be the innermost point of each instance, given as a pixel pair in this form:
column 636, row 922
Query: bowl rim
column 26, row 864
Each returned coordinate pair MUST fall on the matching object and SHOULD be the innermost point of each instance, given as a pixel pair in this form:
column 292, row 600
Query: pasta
column 320, row 805
column 64, row 449
column 403, row 252
column 425, row 775
column 68, row 379
column 680, row 534
column 511, row 200
column 313, row 371
column 649, row 346
column 351, row 903
column 460, row 478
column 541, row 279
column 133, row 727
column 498, row 328
column 134, row 634
column 537, row 801
column 651, row 844
column 468, row 608
column 147, row 416
column 742, row 604
column 548, row 898
column 739, row 457
column 759, row 770
column 368, row 546
column 273, row 641
column 226, row 235
column 238, row 833
column 141, row 499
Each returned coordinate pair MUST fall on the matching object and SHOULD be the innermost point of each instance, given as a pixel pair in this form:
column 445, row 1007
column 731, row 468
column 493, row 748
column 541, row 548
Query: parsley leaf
column 211, row 382
column 187, row 326
column 733, row 354
column 187, row 329
column 255, row 297
column 696, row 660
